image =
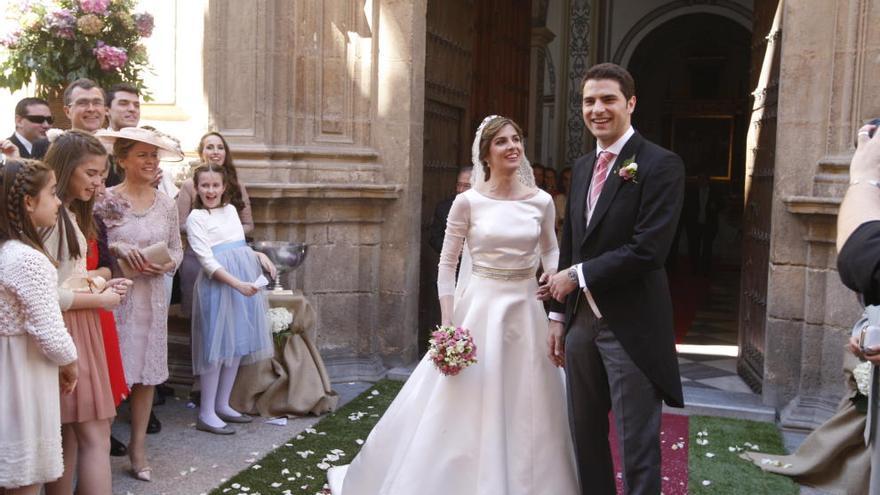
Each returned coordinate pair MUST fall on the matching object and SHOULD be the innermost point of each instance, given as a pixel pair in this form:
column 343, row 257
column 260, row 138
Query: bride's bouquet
column 452, row 349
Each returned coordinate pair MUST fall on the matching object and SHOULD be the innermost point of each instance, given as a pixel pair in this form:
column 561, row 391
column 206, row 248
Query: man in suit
column 32, row 119
column 437, row 229
column 611, row 321
column 702, row 205
column 124, row 110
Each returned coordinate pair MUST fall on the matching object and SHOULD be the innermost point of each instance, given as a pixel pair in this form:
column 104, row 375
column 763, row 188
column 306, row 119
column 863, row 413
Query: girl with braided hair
column 36, row 352
column 79, row 160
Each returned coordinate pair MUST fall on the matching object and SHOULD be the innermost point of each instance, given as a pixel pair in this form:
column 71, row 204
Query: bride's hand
column 543, row 292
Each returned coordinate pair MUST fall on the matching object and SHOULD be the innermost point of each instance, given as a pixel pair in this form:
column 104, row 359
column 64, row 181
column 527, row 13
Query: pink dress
column 142, row 318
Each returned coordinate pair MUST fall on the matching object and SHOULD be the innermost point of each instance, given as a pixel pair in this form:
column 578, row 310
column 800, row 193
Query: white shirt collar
column 618, row 145
column 27, row 144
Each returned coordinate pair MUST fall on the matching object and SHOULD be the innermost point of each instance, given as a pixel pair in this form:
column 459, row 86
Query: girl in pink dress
column 34, row 345
column 79, row 160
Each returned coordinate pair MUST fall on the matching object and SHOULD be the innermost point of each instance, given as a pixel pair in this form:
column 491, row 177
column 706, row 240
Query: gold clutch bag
column 157, row 253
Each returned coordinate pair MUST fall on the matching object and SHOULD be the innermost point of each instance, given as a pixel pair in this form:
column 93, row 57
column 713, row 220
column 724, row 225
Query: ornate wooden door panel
column 501, row 60
column 760, row 160
column 448, row 82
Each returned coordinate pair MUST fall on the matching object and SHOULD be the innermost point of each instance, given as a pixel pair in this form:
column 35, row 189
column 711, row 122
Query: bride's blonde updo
column 489, row 131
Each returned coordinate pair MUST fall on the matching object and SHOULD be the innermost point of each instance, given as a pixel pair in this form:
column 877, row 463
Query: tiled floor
column 714, row 325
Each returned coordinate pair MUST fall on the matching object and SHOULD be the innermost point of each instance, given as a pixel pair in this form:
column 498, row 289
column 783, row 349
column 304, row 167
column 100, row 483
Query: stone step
column 720, row 403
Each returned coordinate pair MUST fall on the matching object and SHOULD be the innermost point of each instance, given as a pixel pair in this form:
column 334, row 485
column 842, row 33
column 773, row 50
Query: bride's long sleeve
column 548, row 244
column 457, row 224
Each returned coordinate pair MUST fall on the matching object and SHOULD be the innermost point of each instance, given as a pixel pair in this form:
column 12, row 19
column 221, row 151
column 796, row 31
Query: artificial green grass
column 725, row 471
column 284, row 469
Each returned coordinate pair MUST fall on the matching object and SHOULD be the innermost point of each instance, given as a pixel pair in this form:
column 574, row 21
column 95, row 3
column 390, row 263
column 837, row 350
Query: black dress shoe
column 153, row 426
column 117, row 448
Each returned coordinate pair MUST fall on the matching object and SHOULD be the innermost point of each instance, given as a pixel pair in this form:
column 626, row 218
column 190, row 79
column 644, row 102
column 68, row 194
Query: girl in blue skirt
column 229, row 324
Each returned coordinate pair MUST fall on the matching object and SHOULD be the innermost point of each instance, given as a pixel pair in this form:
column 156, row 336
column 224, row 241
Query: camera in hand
column 876, row 124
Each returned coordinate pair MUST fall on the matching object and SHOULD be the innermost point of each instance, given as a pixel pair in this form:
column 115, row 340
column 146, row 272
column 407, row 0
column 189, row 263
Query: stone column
column 541, row 37
column 322, row 104
column 829, row 82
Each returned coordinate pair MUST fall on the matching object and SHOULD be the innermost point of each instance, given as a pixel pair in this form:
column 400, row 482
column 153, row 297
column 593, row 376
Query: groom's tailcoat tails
column 627, row 358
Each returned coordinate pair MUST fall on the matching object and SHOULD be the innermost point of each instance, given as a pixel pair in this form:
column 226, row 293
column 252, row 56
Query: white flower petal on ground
column 706, row 482
column 236, row 486
column 310, row 430
column 256, row 466
column 359, row 441
column 285, row 471
column 710, row 455
column 275, row 485
column 323, row 466
column 374, row 392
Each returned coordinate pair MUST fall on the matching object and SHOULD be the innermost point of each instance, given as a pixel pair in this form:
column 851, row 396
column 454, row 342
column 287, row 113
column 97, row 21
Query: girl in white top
column 229, row 322
column 36, row 352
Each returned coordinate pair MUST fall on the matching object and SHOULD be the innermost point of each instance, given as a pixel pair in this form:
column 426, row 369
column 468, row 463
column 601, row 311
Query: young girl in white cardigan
column 36, row 352
column 229, row 323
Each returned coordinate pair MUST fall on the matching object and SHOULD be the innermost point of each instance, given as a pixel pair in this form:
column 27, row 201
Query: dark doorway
column 692, row 77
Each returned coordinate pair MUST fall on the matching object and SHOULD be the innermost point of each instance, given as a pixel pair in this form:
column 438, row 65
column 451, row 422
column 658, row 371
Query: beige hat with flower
column 169, row 148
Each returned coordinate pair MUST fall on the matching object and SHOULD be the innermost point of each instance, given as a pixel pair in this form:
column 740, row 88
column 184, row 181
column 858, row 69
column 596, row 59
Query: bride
column 500, row 426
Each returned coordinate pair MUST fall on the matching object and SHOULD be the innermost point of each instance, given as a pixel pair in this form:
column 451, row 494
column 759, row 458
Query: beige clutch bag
column 157, row 254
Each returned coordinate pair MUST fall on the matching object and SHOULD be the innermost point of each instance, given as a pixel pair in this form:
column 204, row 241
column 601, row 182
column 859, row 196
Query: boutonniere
column 629, row 170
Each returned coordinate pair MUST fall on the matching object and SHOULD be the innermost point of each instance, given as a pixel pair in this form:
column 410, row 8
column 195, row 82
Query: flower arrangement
column 629, row 170
column 111, row 209
column 452, row 349
column 58, row 41
column 280, row 320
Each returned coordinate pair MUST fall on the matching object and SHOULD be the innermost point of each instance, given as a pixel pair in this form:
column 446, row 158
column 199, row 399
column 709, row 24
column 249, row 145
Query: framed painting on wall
column 705, row 143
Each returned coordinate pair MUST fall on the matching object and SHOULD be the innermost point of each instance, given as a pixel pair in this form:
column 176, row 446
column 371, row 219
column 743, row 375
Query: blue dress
column 226, row 324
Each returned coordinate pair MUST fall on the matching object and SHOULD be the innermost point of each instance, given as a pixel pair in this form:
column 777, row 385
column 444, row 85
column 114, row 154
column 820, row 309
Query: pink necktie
column 600, row 173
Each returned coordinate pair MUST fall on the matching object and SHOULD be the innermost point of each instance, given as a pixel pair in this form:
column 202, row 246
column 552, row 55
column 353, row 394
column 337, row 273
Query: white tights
column 216, row 388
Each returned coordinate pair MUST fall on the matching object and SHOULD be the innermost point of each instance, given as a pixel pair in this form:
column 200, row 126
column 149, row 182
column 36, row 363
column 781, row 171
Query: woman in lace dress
column 500, row 426
column 79, row 160
column 147, row 217
column 33, row 340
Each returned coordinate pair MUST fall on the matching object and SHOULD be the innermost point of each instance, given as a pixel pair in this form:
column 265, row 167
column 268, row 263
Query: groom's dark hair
column 615, row 73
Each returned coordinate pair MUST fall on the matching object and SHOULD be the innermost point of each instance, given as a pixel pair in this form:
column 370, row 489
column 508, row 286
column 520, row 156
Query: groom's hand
column 556, row 343
column 561, row 285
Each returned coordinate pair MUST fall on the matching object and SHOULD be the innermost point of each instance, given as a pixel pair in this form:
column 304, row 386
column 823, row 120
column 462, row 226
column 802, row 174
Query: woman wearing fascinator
column 500, row 425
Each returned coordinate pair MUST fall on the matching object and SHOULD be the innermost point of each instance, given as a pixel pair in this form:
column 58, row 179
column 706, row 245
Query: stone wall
column 322, row 103
column 829, row 82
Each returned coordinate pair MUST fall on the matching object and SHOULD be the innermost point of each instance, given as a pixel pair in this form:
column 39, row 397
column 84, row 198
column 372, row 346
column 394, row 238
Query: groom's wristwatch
column 573, row 275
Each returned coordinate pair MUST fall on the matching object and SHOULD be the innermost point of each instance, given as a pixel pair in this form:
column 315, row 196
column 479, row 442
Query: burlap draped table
column 833, row 458
column 294, row 382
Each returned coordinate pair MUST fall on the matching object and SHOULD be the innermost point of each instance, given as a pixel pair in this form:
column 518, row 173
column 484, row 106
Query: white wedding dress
column 499, row 427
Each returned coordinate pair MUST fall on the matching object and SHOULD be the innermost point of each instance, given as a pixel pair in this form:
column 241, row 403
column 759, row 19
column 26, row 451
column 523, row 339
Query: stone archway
column 669, row 11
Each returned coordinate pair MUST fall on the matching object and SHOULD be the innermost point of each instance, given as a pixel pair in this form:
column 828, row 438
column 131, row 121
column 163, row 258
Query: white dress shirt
column 615, row 148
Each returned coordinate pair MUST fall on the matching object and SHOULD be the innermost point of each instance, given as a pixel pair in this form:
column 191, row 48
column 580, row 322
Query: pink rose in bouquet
column 452, row 349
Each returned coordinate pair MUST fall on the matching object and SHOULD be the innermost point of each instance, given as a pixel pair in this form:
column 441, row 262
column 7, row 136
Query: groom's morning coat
column 623, row 251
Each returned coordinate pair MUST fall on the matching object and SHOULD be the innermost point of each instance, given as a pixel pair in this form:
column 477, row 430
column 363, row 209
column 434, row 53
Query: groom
column 611, row 321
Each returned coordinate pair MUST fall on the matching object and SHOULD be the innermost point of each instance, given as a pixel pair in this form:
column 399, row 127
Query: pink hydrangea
column 110, row 57
column 145, row 23
column 61, row 23
column 94, row 6
column 10, row 40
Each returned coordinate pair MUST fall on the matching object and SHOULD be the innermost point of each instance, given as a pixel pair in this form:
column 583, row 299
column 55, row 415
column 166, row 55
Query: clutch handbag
column 157, row 254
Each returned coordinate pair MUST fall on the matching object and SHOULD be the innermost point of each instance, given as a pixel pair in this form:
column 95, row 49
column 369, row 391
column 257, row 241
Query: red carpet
column 673, row 433
column 689, row 292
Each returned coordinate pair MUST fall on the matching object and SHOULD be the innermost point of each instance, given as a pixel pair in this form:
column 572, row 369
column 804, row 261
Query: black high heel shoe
column 117, row 448
column 153, row 426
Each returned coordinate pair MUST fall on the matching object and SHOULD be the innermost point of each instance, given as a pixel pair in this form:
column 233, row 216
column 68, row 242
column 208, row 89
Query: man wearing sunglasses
column 32, row 119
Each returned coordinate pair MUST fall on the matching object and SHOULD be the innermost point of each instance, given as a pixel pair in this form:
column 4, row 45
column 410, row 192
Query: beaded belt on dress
column 504, row 273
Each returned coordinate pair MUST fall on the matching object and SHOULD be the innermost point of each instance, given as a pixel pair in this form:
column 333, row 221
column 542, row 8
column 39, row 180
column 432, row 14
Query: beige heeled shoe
column 143, row 474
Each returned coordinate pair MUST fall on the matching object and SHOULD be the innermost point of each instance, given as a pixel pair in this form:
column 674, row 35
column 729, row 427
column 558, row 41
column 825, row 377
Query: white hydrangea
column 279, row 319
column 862, row 374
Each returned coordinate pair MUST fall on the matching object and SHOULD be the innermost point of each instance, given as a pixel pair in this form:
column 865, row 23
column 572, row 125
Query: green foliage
column 725, row 471
column 338, row 430
column 56, row 44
